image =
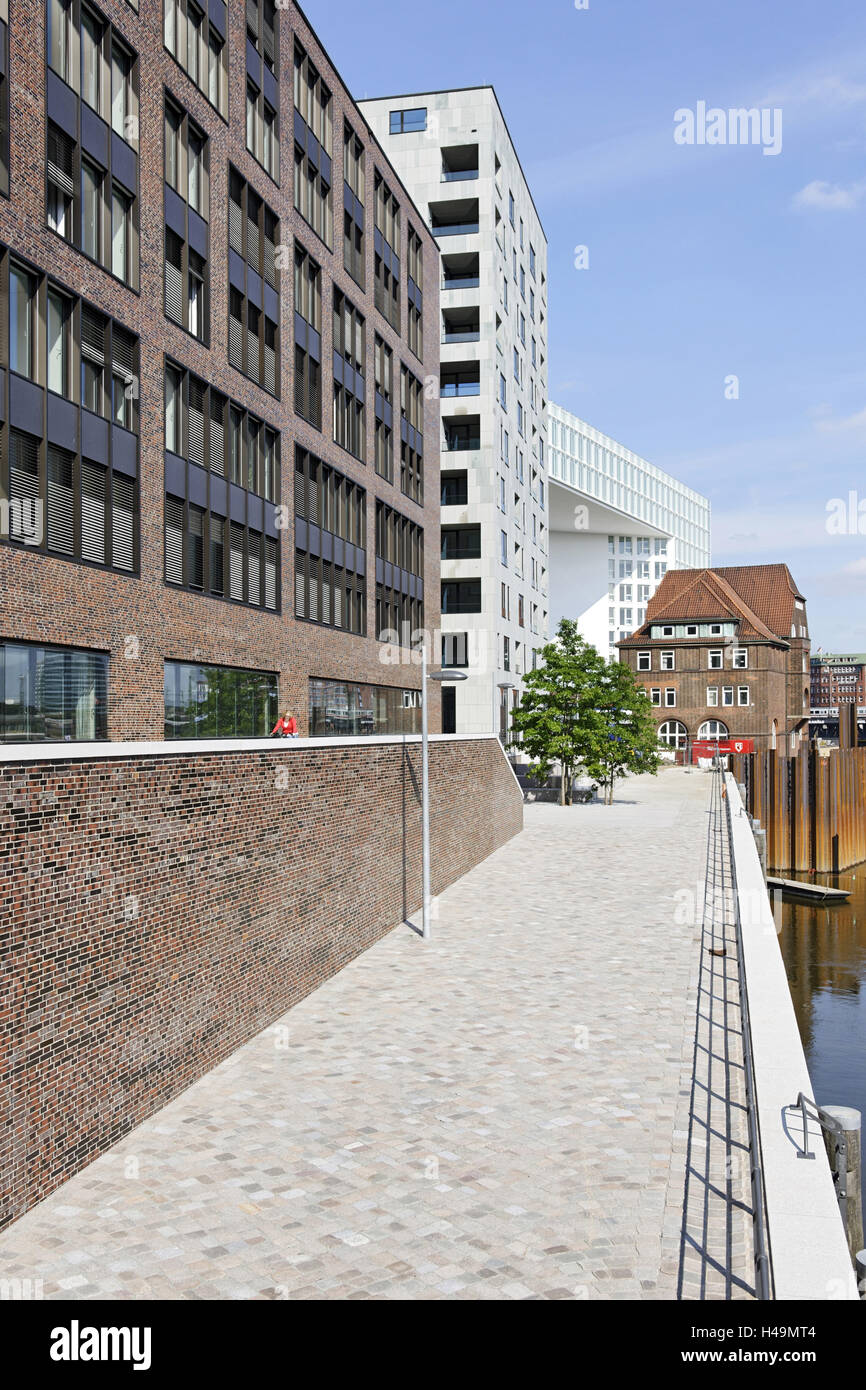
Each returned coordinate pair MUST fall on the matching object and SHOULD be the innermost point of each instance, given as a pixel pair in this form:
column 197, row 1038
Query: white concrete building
column 617, row 523
column 454, row 154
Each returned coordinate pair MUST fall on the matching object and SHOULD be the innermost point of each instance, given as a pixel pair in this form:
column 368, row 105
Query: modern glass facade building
column 617, row 524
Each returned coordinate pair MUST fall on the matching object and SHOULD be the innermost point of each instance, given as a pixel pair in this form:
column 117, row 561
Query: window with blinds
column 62, row 181
column 217, row 442
column 60, row 499
column 24, row 484
column 195, row 549
column 236, row 330
column 236, row 561
column 93, row 512
column 271, row 572
column 236, row 211
column 174, row 510
column 254, row 577
column 174, row 277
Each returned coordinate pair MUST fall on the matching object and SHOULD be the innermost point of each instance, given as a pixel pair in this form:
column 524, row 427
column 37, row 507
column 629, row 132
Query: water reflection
column 824, row 949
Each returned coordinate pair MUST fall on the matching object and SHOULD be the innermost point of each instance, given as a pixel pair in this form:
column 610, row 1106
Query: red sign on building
column 707, row 747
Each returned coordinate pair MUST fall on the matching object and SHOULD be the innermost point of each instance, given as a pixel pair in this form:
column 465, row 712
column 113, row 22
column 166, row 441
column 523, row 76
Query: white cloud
column 821, row 196
column 857, row 421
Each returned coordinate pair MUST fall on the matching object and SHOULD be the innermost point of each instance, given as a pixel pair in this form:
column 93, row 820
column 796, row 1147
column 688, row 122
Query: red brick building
column 725, row 653
column 218, row 313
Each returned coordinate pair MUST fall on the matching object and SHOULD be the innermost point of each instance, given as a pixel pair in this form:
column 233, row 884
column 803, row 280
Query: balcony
column 461, row 596
column 461, row 542
column 459, row 163
column 460, row 379
column 461, row 436
column 458, row 217
column 453, row 488
column 460, row 272
column 461, row 325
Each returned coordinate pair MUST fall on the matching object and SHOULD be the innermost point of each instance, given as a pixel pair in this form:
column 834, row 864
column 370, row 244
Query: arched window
column 713, row 728
column 673, row 733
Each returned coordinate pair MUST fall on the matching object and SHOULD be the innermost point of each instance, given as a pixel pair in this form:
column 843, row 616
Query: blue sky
column 704, row 261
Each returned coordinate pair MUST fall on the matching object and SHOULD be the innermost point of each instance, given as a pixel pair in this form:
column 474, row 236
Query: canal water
column 824, row 949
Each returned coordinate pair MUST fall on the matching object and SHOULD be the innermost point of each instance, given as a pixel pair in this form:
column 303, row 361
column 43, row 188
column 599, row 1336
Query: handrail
column 837, row 1129
column 763, row 1261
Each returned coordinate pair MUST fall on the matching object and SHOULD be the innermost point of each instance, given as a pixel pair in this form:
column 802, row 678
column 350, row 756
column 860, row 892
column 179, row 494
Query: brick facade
column 726, row 631
column 166, row 908
column 51, row 600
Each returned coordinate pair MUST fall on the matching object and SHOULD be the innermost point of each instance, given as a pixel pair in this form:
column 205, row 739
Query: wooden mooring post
column 845, row 1162
column 812, row 806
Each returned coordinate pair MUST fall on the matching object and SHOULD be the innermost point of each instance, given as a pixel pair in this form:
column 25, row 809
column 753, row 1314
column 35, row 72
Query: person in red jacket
column 286, row 726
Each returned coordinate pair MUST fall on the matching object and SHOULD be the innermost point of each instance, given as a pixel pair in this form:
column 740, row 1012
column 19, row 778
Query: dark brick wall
column 159, row 911
column 51, row 600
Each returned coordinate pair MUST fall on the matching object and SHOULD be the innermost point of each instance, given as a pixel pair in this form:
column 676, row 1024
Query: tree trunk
column 562, row 784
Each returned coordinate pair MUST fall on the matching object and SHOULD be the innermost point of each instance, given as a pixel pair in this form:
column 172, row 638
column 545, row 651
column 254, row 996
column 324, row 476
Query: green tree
column 578, row 711
column 620, row 733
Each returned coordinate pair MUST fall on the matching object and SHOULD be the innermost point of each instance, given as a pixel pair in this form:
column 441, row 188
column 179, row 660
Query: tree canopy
column 584, row 714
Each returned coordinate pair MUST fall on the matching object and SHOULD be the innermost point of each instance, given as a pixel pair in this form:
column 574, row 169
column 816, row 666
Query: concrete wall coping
column 87, row 752
column 808, row 1245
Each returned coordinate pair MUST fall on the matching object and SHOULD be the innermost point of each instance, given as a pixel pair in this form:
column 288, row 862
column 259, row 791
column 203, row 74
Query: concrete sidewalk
column 502, row 1113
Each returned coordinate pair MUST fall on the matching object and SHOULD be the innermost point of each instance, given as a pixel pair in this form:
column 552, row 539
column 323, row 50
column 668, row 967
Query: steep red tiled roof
column 759, row 597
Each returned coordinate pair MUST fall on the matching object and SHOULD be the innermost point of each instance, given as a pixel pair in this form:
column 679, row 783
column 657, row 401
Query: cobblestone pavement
column 501, row 1113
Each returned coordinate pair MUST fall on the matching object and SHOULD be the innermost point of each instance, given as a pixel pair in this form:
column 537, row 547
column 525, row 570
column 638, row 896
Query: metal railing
column 829, row 1123
column 763, row 1264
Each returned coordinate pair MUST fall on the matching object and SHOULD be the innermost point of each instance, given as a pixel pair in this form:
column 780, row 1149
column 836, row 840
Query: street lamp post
column 425, row 786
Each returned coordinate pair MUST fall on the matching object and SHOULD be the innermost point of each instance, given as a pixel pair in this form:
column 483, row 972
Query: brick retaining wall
column 157, row 911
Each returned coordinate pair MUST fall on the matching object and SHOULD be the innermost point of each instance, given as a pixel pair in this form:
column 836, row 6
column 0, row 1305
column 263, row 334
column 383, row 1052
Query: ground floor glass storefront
column 52, row 694
column 340, row 709
column 218, row 701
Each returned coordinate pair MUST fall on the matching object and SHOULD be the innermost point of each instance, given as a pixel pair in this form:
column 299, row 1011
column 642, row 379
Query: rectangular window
column 384, row 403
column 712, row 694
column 308, row 306
column 714, row 661
column 412, row 441
column 91, row 232
column 667, row 661
column 354, row 247
column 62, row 183
column 52, row 694
column 387, row 254
column 742, row 695
column 59, row 345
column 740, row 658
column 200, row 49
column 254, row 336
column 327, row 591
column 644, row 661
column 399, row 601
column 219, row 701
column 36, row 472
column 670, row 697
column 409, row 121
column 22, row 321
column 349, row 331
column 655, row 695
column 727, row 694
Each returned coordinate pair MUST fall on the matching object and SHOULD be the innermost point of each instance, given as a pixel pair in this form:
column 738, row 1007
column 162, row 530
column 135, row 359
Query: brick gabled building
column 725, row 653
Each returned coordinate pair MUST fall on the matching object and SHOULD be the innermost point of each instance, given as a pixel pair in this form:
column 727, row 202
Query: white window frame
column 670, row 697
column 740, row 658
column 727, row 691
column 715, row 665
column 644, row 661
column 667, row 661
column 655, row 695
column 712, row 696
column 741, row 691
